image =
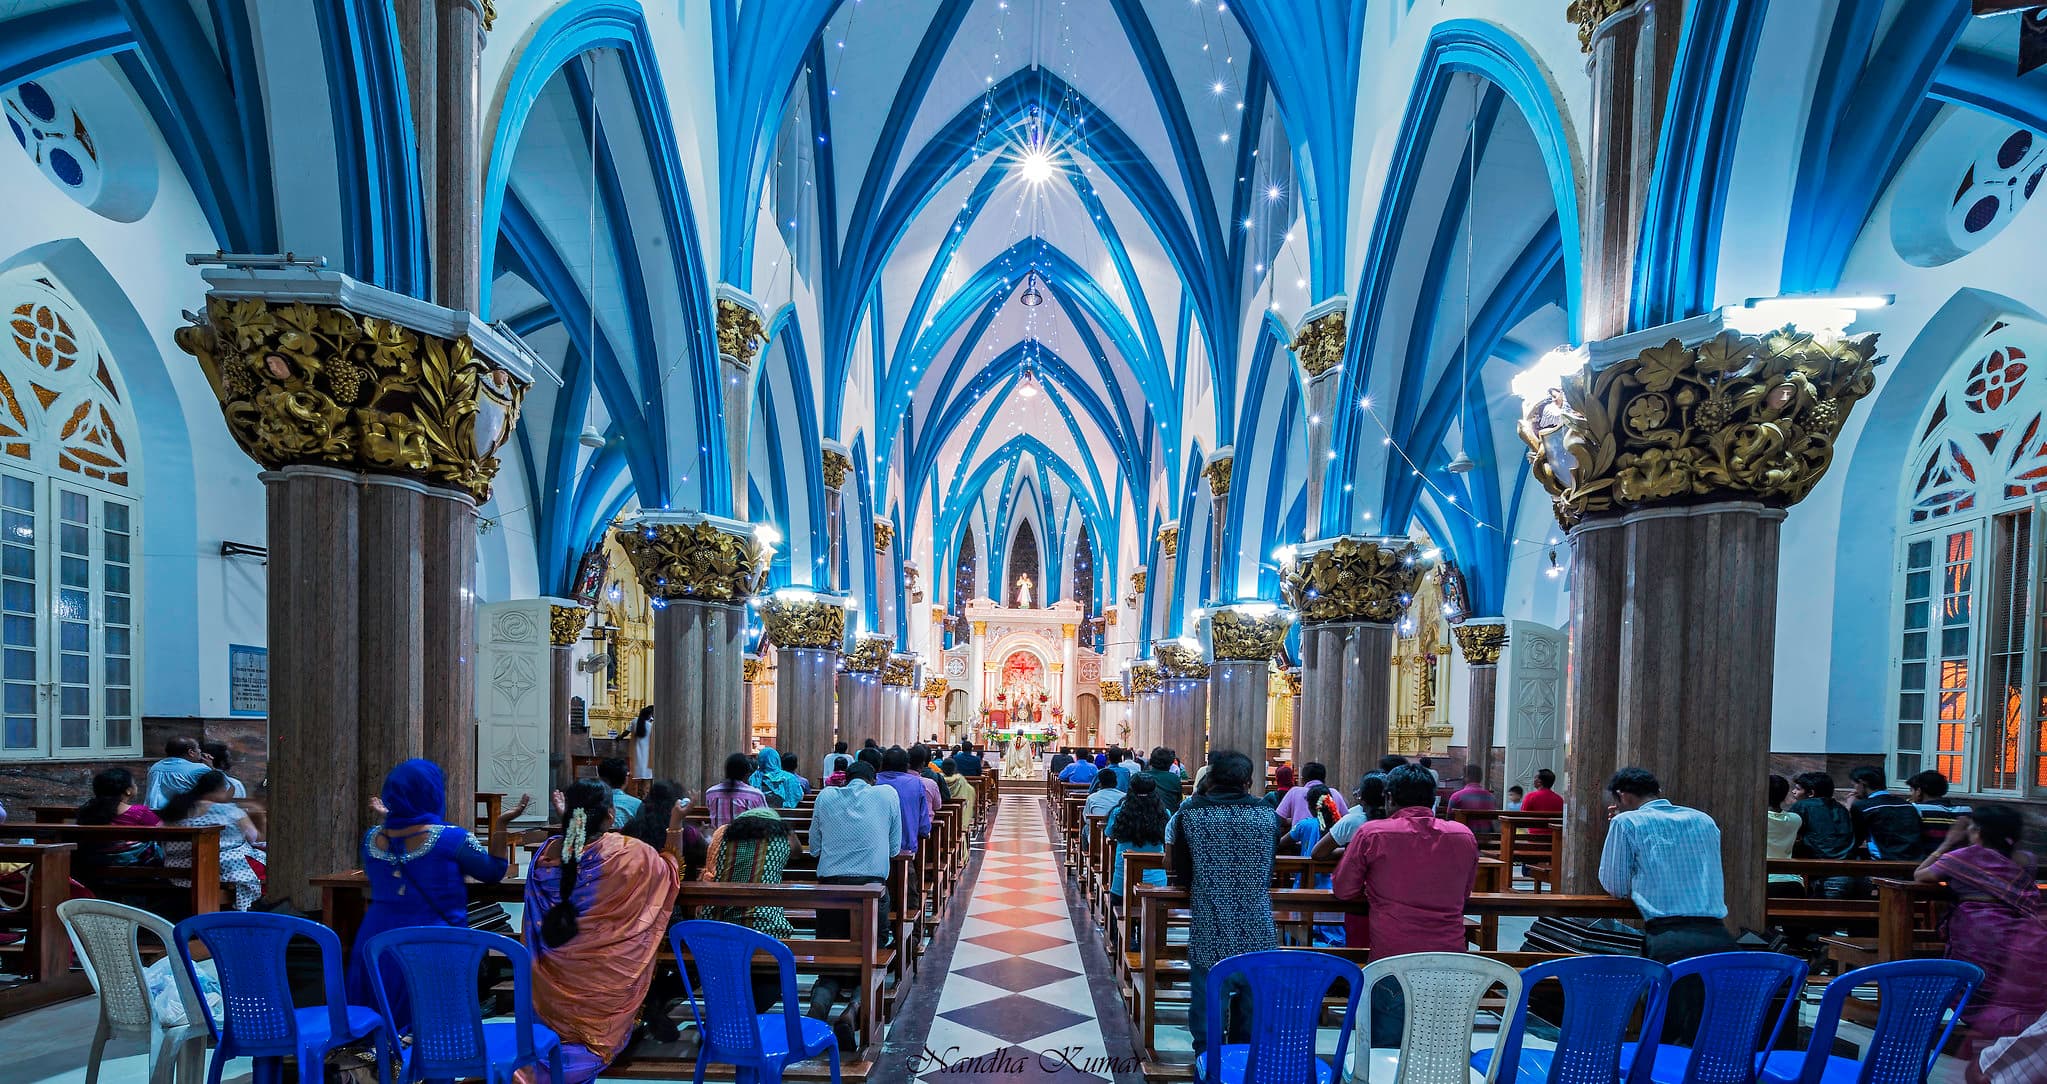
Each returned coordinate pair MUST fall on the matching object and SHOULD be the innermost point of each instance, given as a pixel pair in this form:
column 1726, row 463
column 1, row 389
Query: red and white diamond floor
column 1016, row 1003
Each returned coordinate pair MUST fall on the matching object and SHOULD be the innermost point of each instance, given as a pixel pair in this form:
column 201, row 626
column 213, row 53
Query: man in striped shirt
column 1666, row 858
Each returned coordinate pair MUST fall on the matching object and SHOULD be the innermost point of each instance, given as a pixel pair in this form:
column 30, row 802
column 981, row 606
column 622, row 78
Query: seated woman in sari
column 597, row 905
column 753, row 849
column 1997, row 923
column 416, row 863
column 783, row 790
column 113, row 802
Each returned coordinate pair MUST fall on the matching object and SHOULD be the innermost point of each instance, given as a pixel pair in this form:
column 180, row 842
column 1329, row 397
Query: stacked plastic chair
column 258, row 1017
column 108, row 939
column 1287, row 988
column 763, row 1044
column 438, row 966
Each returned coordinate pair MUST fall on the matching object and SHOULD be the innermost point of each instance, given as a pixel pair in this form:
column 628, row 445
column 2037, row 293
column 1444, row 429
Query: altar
column 1023, row 672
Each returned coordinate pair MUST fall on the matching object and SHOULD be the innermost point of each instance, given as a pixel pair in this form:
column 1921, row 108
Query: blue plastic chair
column 258, row 1018
column 1600, row 997
column 1740, row 988
column 450, row 1040
column 1287, row 987
column 1918, row 1002
column 733, row 1034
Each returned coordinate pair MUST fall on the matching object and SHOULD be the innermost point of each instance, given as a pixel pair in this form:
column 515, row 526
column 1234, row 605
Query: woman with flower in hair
column 1322, row 815
column 597, row 904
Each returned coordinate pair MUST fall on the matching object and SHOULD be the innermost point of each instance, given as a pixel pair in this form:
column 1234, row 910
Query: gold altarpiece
column 625, row 627
column 1421, row 665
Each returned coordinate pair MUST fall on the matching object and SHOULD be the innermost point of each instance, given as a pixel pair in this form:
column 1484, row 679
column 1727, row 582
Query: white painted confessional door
column 1532, row 695
column 67, row 635
column 514, row 697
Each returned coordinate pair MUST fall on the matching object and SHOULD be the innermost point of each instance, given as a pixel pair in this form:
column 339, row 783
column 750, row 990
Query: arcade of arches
column 1523, row 384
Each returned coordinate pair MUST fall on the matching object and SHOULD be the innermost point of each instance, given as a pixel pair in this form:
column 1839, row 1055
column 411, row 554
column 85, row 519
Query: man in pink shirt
column 1417, row 872
column 1473, row 795
column 1295, row 805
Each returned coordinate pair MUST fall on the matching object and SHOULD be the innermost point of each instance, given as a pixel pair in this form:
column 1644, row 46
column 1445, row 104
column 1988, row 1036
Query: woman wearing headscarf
column 753, row 849
column 1282, row 782
column 597, row 904
column 416, row 862
column 784, row 790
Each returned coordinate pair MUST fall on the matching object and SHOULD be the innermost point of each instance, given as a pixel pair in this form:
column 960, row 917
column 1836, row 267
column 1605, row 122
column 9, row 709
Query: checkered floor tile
column 1016, row 1003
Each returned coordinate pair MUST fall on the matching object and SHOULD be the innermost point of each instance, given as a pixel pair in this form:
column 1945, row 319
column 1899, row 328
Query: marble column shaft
column 1146, row 729
column 1631, row 68
column 1598, row 564
column 561, row 736
column 860, row 709
column 317, row 808
column 1183, row 720
column 1237, row 711
column 458, row 155
column 1322, row 388
column 448, row 665
column 1481, row 703
column 1366, row 662
column 393, row 647
column 698, row 686
column 804, row 687
column 1698, row 651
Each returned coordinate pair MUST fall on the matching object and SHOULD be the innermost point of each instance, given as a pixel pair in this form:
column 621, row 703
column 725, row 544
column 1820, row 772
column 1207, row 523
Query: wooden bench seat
column 155, row 885
column 36, row 958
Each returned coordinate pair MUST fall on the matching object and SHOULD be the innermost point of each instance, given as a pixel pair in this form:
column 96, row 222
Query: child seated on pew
column 241, row 862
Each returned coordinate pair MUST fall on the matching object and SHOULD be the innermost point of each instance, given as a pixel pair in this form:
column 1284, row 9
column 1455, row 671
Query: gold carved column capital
column 1588, row 14
column 565, row 624
column 934, row 688
column 1736, row 417
column 1319, row 342
column 804, row 622
column 870, row 653
column 752, row 668
column 694, row 558
column 1480, row 642
column 1137, row 583
column 980, row 629
column 1218, row 474
column 741, row 333
column 1169, row 540
column 1057, row 666
column 1179, row 659
column 1352, row 579
column 884, row 534
column 1066, row 631
column 313, row 384
column 1241, row 635
column 1146, row 676
column 834, row 464
column 900, row 671
column 1112, row 692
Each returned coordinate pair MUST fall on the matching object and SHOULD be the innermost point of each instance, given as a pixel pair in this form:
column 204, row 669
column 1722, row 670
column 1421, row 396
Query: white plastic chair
column 107, row 937
column 1442, row 991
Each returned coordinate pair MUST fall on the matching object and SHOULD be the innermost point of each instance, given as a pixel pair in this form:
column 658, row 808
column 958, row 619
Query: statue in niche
column 1023, row 592
column 1542, row 428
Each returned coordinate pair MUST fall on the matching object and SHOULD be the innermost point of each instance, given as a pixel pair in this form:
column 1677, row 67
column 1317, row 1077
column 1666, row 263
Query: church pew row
column 186, row 884
column 36, row 956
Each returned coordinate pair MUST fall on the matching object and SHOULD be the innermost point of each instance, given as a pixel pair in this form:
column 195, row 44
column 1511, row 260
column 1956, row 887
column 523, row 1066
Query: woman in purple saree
column 1997, row 922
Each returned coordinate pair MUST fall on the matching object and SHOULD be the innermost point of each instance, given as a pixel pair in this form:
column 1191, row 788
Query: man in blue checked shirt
column 1666, row 858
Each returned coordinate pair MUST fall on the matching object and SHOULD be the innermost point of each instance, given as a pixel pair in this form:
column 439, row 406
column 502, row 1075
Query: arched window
column 69, row 519
column 1969, row 677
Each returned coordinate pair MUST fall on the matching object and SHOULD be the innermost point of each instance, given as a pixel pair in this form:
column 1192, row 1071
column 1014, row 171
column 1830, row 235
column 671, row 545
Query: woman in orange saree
column 597, row 904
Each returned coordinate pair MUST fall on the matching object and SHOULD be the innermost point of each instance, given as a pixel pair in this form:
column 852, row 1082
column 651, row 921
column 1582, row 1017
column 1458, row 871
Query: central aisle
column 1016, row 1003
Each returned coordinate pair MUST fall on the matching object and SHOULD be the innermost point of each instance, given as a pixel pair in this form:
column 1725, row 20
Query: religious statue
column 1023, row 592
column 1542, row 428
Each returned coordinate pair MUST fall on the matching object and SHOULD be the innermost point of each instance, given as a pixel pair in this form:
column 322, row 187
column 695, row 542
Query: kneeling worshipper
column 416, row 861
column 1997, row 922
column 597, row 906
column 783, row 789
column 753, row 849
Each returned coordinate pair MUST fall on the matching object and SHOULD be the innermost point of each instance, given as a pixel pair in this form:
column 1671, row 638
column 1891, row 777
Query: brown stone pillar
column 699, row 570
column 1162, row 599
column 1242, row 640
column 741, row 337
column 565, row 626
column 1218, row 474
column 1147, row 682
column 392, row 629
column 1673, row 564
column 369, row 427
column 317, row 809
column 1591, row 736
column 860, row 709
column 807, row 632
column 1319, row 344
column 1632, row 53
column 448, row 665
column 1348, row 592
column 834, row 465
column 457, row 155
column 1481, row 641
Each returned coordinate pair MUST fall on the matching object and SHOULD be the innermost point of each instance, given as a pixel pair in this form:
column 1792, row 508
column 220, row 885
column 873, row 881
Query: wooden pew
column 42, row 955
column 201, row 896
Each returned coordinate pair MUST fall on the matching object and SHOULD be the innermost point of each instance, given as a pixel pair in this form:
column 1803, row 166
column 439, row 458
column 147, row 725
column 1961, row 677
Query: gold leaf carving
column 1481, row 644
column 752, row 669
column 1352, row 579
column 1112, row 692
column 1169, row 539
column 740, row 332
column 1319, row 344
column 835, row 465
column 884, row 533
column 1146, row 676
column 1236, row 636
column 1733, row 418
column 934, row 688
column 900, row 671
column 1588, row 14
column 697, row 561
column 1137, row 582
column 1218, row 474
column 565, row 624
column 1178, row 660
column 870, row 653
column 304, row 384
column 804, row 622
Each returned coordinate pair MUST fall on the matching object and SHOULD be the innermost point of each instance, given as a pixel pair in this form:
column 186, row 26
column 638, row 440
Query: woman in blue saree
column 417, row 864
column 784, row 790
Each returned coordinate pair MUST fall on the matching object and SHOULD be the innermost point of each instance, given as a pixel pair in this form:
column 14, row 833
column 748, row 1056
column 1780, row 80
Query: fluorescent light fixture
column 1816, row 316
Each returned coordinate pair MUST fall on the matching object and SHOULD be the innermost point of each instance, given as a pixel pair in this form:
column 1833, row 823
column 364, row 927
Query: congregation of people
column 601, row 891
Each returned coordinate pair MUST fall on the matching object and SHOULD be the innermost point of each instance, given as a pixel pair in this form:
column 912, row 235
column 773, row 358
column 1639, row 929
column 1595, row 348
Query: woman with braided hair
column 597, row 904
